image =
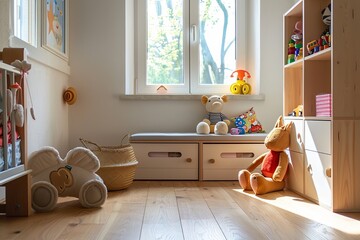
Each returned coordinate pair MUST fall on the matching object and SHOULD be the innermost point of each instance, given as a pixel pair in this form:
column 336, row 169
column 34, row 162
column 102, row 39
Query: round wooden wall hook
column 70, row 96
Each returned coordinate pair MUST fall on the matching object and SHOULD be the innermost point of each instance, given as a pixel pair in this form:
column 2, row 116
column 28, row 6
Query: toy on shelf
column 313, row 47
column 295, row 51
column 299, row 54
column 324, row 40
column 322, row 43
column 241, row 86
column 297, row 112
column 291, row 51
column 326, row 15
column 298, row 32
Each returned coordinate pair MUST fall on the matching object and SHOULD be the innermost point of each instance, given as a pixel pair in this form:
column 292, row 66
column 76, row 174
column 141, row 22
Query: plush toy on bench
column 74, row 176
column 274, row 163
column 214, row 121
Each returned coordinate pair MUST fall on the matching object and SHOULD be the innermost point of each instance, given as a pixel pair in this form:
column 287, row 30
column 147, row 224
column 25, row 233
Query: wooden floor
column 186, row 210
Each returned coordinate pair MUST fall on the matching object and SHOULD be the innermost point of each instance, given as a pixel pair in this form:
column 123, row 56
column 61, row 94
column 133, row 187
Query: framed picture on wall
column 55, row 27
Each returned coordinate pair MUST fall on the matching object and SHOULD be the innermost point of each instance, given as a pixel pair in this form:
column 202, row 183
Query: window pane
column 165, row 42
column 217, row 41
column 22, row 19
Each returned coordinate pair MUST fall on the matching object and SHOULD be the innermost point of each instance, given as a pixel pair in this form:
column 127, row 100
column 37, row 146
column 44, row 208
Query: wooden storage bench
column 191, row 156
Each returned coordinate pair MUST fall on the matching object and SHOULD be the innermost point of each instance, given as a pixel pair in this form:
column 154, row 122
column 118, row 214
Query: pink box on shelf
column 323, row 105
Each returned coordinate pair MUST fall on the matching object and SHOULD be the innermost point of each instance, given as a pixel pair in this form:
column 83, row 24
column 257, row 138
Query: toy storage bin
column 117, row 164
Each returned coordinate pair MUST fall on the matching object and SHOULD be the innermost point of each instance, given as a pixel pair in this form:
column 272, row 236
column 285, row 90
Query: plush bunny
column 73, row 176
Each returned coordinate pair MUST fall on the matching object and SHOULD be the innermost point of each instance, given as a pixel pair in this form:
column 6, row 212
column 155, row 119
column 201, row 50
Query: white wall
column 97, row 52
column 51, row 125
column 47, row 85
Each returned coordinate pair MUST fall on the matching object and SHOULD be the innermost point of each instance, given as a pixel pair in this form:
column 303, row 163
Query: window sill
column 259, row 97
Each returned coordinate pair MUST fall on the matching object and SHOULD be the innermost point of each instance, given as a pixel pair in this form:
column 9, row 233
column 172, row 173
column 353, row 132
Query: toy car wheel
column 44, row 196
column 235, row 88
column 246, row 88
column 93, row 194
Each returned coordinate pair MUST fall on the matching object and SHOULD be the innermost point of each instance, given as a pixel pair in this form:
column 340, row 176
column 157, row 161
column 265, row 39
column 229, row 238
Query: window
column 25, row 20
column 190, row 47
column 27, row 27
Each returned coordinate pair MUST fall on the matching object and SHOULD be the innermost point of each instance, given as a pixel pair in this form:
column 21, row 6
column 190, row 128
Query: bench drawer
column 223, row 161
column 166, row 161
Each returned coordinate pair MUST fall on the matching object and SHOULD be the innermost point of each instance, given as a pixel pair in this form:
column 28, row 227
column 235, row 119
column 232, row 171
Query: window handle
column 193, row 32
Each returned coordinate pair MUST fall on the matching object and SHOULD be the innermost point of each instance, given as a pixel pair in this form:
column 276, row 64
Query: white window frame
column 34, row 48
column 31, row 28
column 191, row 77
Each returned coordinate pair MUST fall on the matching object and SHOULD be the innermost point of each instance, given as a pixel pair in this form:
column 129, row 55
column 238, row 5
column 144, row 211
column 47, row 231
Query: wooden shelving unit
column 324, row 151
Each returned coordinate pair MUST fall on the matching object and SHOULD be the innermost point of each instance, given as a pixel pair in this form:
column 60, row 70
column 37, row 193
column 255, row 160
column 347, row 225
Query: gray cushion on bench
column 196, row 137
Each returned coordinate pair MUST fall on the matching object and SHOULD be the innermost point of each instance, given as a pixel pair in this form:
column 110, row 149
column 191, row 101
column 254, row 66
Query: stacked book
column 323, row 105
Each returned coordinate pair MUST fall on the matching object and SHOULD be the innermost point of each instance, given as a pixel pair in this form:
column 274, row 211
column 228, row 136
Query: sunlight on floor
column 304, row 208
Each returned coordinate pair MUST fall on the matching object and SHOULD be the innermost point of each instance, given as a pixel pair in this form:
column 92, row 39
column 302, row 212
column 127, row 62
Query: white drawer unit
column 223, row 161
column 297, row 135
column 318, row 177
column 191, row 156
column 166, row 161
column 295, row 173
column 318, row 136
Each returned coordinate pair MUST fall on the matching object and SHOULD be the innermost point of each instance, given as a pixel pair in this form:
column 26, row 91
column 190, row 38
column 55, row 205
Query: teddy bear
column 214, row 121
column 274, row 163
column 73, row 176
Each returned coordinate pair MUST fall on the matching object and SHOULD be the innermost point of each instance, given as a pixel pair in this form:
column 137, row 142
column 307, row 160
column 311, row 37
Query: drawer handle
column 309, row 168
column 237, row 155
column 299, row 139
column 328, row 172
column 165, row 154
column 212, row 160
column 189, row 160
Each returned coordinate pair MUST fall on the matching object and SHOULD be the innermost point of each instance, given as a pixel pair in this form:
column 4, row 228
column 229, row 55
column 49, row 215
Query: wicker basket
column 117, row 164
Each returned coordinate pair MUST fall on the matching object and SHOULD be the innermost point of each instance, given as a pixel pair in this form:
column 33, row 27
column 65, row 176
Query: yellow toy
column 297, row 112
column 241, row 86
column 274, row 163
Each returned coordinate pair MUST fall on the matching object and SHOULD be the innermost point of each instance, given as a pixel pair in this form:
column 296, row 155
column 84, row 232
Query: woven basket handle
column 86, row 142
column 128, row 139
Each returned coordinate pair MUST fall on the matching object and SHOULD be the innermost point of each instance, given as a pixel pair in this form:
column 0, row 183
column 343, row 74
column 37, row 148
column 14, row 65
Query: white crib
column 13, row 173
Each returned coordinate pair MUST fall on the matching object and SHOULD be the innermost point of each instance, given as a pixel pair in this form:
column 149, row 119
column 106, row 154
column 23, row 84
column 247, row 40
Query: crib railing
column 14, row 175
column 8, row 71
